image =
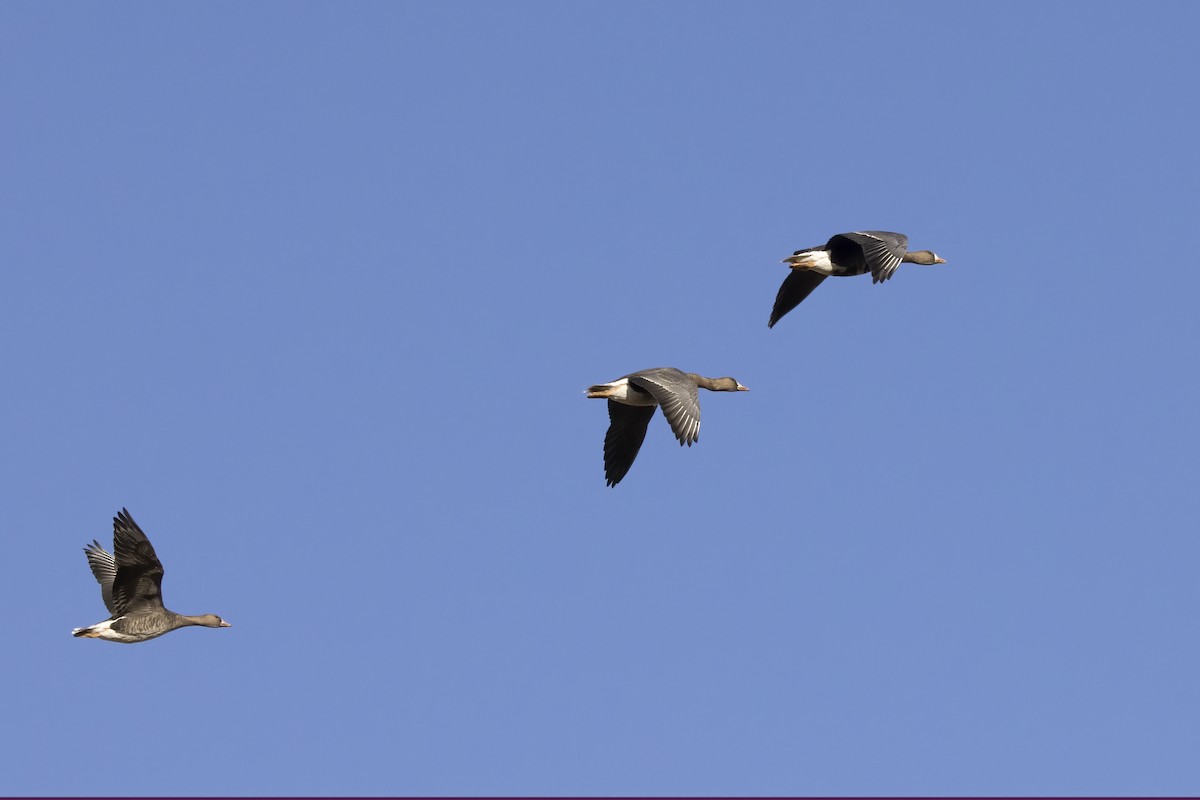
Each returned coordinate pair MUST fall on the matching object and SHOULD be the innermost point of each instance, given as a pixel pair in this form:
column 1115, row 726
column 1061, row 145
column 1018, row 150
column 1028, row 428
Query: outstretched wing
column 626, row 432
column 882, row 250
column 138, row 582
column 104, row 567
column 795, row 288
column 676, row 393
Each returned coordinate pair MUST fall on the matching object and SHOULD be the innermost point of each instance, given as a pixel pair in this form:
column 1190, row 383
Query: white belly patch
column 816, row 261
column 628, row 395
column 103, row 630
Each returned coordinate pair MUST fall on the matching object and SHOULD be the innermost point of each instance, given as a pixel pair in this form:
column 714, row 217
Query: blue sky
column 315, row 290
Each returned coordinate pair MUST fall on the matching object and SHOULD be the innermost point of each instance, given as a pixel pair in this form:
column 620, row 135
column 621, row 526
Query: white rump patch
column 103, row 630
column 623, row 393
column 813, row 261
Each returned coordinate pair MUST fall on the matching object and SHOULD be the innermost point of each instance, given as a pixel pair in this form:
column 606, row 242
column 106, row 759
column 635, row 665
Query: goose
column 631, row 403
column 131, row 586
column 876, row 252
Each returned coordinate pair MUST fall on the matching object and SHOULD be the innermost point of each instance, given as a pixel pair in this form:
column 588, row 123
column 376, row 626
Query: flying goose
column 876, row 252
column 631, row 403
column 130, row 584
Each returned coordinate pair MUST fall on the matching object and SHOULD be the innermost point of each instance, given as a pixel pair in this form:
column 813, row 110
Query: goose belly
column 629, row 395
column 818, row 261
column 105, row 630
column 814, row 261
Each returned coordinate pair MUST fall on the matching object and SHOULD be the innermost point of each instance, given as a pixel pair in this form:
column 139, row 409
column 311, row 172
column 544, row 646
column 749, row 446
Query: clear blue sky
column 315, row 290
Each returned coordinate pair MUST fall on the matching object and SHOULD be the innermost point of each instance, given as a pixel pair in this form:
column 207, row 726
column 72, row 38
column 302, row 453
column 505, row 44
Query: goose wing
column 104, row 567
column 137, row 585
column 796, row 286
column 882, row 250
column 676, row 393
column 626, row 432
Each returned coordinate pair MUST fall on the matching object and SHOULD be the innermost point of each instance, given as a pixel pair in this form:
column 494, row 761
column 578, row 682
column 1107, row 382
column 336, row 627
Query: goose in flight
column 131, row 586
column 876, row 252
column 631, row 403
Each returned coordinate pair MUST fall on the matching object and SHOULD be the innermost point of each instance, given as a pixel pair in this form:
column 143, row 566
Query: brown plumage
column 856, row 253
column 631, row 402
column 131, row 587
